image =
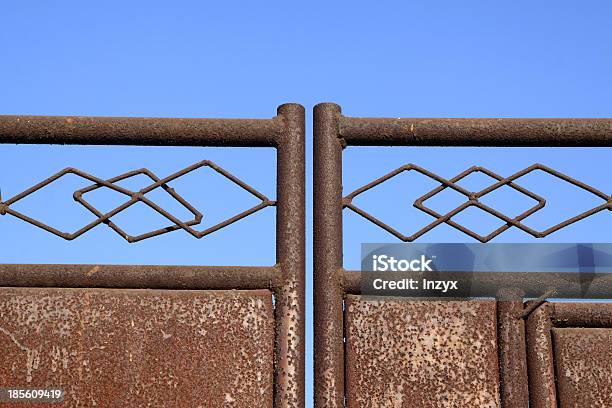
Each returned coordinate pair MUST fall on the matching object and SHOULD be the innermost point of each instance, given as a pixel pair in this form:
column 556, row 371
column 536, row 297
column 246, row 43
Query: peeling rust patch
column 410, row 353
column 140, row 347
column 93, row 271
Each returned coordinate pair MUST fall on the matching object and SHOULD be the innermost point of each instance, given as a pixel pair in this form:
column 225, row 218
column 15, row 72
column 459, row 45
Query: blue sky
column 242, row 59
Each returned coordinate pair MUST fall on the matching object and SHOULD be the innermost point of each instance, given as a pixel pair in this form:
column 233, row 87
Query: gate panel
column 164, row 348
column 583, row 366
column 342, row 373
column 570, row 355
column 259, row 360
column 421, row 354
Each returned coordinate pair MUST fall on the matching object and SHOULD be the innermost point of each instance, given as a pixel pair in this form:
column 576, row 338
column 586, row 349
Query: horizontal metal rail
column 139, row 276
column 78, row 130
column 475, row 132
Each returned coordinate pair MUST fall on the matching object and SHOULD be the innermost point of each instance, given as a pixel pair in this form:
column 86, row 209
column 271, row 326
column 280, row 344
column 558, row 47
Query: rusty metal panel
column 333, row 132
column 163, row 348
column 583, row 362
column 285, row 279
column 569, row 355
column 418, row 353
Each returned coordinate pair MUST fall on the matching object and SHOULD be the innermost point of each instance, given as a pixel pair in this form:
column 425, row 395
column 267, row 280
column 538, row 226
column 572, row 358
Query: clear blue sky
column 242, row 59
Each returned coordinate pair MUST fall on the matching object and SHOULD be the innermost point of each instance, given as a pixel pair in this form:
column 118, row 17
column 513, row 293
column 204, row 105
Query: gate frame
column 541, row 363
column 332, row 133
column 285, row 132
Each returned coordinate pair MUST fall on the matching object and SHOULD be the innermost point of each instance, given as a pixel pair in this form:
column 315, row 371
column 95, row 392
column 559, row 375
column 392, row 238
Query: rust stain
column 583, row 362
column 93, row 271
column 408, row 353
column 154, row 348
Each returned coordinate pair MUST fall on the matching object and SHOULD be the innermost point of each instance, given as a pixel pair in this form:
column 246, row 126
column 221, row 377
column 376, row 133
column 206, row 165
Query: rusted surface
column 583, row 363
column 333, row 132
column 540, row 359
column 285, row 279
column 473, row 200
column 476, row 132
column 134, row 197
column 140, row 347
column 139, row 131
column 409, row 353
column 512, row 352
column 140, row 276
column 569, row 349
column 327, row 258
column 291, row 258
column 582, row 315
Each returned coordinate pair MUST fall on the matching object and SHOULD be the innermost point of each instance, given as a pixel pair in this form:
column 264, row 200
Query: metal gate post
column 290, row 256
column 327, row 258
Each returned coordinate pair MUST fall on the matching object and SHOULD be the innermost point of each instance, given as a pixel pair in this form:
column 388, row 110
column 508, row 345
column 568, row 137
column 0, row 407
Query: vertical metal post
column 290, row 255
column 327, row 258
column 540, row 364
column 512, row 352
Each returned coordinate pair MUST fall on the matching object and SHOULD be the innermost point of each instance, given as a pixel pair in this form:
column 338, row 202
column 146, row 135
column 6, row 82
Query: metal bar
column 475, row 132
column 138, row 276
column 511, row 349
column 540, row 363
column 291, row 256
column 78, row 130
column 327, row 258
column 582, row 315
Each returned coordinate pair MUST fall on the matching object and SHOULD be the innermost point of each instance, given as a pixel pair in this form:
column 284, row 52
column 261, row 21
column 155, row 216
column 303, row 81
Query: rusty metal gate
column 410, row 353
column 234, row 336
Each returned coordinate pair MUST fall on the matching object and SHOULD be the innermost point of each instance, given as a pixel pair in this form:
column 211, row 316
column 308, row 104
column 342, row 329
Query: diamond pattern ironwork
column 135, row 197
column 473, row 200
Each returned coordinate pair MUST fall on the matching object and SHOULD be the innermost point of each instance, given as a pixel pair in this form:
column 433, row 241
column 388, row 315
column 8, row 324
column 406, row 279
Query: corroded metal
column 475, row 132
column 583, row 362
column 140, row 276
column 80, row 130
column 569, row 359
column 327, row 259
column 514, row 386
column 291, row 258
column 285, row 133
column 421, row 354
column 333, row 132
column 473, row 200
column 540, row 359
column 134, row 198
column 155, row 348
